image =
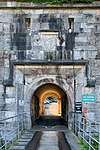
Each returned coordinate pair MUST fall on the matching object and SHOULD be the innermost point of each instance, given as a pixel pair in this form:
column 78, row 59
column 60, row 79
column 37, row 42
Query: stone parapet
column 14, row 4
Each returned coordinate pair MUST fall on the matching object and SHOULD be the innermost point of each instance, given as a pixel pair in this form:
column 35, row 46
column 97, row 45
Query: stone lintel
column 63, row 62
column 9, row 82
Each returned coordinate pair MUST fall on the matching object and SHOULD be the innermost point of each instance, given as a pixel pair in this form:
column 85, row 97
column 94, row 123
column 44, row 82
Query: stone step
column 23, row 141
column 18, row 148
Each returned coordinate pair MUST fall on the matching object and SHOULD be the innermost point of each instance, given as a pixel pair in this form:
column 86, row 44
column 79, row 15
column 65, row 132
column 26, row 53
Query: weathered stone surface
column 43, row 36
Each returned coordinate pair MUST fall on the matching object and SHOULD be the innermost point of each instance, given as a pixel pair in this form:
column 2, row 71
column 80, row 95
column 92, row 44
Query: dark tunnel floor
column 50, row 121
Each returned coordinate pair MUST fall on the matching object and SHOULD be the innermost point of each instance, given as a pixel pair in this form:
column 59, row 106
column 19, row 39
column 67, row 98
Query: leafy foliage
column 56, row 2
column 84, row 145
column 94, row 143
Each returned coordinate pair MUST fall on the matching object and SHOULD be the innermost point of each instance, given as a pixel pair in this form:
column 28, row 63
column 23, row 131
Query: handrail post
column 83, row 128
column 12, row 124
column 79, row 125
column 18, row 127
column 22, row 123
column 89, row 135
column 25, row 120
column 5, row 131
column 75, row 123
column 99, row 137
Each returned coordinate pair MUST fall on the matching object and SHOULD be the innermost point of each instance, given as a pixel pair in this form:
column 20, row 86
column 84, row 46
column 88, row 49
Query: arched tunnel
column 41, row 94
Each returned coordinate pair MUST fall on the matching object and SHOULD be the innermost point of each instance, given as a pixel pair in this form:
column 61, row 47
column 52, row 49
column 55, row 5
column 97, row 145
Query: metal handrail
column 11, row 129
column 86, row 130
column 11, row 117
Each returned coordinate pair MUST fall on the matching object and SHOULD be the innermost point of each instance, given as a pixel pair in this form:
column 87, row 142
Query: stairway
column 23, row 141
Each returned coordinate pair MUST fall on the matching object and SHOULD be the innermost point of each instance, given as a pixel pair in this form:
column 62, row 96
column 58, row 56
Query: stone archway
column 41, row 93
column 52, row 94
column 30, row 94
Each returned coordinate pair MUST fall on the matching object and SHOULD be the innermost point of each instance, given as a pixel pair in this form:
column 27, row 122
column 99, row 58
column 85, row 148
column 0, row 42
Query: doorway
column 51, row 101
column 51, row 107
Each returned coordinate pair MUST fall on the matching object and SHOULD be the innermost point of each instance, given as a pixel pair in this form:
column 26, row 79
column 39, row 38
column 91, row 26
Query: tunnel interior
column 51, row 106
column 42, row 94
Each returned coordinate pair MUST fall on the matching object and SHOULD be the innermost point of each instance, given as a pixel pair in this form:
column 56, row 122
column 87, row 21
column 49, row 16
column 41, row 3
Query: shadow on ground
column 50, row 121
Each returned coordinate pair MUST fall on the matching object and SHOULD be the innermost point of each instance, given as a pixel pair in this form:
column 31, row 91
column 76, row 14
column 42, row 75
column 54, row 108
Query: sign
column 88, row 98
column 78, row 107
column 21, row 102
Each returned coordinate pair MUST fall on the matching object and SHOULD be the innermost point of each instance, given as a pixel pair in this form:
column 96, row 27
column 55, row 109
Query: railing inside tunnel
column 87, row 131
column 11, row 129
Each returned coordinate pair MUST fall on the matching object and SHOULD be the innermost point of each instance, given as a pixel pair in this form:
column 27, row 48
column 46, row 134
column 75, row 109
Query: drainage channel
column 48, row 140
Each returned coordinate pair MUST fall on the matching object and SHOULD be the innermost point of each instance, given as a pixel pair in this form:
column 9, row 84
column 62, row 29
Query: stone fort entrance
column 34, row 83
column 49, row 51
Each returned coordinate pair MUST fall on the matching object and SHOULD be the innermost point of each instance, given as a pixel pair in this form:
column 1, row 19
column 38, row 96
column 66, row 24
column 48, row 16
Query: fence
column 88, row 131
column 11, row 129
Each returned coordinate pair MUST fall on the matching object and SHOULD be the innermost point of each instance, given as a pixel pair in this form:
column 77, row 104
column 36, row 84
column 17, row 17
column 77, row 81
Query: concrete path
column 72, row 140
column 23, row 141
column 49, row 141
column 50, row 138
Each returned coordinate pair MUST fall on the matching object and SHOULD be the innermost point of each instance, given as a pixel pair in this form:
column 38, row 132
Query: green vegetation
column 84, row 145
column 56, row 2
column 8, row 145
column 94, row 143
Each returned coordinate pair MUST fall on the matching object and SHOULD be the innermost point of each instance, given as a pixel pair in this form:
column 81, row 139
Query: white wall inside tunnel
column 52, row 106
column 45, row 96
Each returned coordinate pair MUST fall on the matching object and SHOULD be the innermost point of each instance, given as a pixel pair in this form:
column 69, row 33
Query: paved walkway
column 72, row 140
column 49, row 141
column 49, row 133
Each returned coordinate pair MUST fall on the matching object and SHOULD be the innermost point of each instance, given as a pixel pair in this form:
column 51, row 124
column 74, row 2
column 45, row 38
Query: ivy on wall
column 56, row 2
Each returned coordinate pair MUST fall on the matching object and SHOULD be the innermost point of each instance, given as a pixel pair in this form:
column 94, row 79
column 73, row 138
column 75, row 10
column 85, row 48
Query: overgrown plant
column 84, row 145
column 94, row 143
column 56, row 2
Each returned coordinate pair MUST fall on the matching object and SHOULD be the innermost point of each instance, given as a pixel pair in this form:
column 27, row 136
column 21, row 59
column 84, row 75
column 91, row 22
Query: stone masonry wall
column 37, row 33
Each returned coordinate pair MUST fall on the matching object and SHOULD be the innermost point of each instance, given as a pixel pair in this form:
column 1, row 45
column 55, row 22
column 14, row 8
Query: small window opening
column 71, row 24
column 28, row 22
